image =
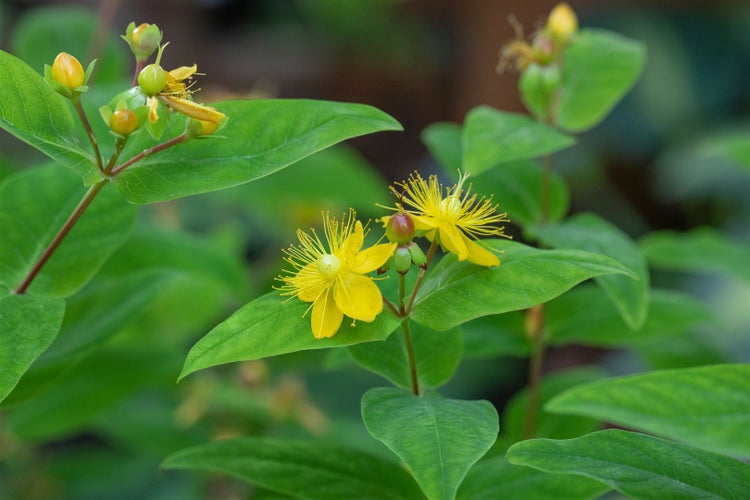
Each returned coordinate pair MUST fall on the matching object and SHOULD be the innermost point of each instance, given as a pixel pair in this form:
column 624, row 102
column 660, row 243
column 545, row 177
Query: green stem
column 61, row 234
column 534, row 331
column 422, row 270
column 84, row 119
column 147, row 152
column 119, row 145
column 545, row 194
column 407, row 336
column 411, row 357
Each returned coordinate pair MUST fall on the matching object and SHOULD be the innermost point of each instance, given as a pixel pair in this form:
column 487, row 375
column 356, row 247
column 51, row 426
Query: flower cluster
column 546, row 44
column 332, row 272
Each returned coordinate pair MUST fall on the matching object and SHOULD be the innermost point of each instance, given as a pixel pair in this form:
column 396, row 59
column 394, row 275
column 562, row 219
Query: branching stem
column 61, row 234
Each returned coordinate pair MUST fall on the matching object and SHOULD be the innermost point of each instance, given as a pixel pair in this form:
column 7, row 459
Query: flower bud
column 152, row 79
column 417, row 255
column 197, row 128
column 67, row 71
column 402, row 260
column 400, row 228
column 562, row 23
column 143, row 40
column 123, row 122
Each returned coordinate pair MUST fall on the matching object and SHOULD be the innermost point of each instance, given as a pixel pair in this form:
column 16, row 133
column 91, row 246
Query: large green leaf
column 34, row 205
column 638, row 466
column 105, row 307
column 548, row 424
column 28, row 325
column 496, row 335
column 591, row 233
column 303, row 469
column 437, row 353
column 700, row 250
column 443, row 139
column 492, row 137
column 496, row 478
column 259, row 138
column 455, row 292
column 272, row 325
column 708, row 406
column 87, row 390
column 42, row 118
column 438, row 439
column 586, row 316
column 600, row 67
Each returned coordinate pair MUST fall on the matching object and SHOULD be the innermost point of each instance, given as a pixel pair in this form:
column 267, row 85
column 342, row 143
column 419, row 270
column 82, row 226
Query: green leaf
column 586, row 316
column 700, row 250
column 517, row 188
column 34, row 205
column 87, row 390
column 304, row 469
column 42, row 118
column 259, row 138
column 443, row 139
column 600, row 67
column 105, row 307
column 28, row 325
column 336, row 178
column 496, row 335
column 271, row 325
column 438, row 439
column 455, row 292
column 637, row 465
column 591, row 233
column 492, row 137
column 732, row 145
column 705, row 407
column 496, row 478
column 550, row 425
column 438, row 355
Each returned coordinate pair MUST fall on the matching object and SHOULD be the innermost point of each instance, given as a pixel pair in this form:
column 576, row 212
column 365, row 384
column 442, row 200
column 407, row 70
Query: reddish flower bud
column 400, row 228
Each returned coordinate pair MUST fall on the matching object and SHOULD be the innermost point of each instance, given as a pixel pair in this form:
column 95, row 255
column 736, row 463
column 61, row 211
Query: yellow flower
column 332, row 274
column 177, row 95
column 452, row 220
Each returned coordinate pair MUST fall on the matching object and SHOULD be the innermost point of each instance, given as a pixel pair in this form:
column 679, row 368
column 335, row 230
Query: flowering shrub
column 99, row 313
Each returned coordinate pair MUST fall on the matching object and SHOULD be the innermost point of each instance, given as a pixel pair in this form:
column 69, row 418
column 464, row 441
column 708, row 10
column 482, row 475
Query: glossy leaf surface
column 638, row 465
column 438, row 439
column 705, row 406
column 303, row 469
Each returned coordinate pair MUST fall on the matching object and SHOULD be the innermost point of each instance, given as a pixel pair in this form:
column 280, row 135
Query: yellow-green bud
column 417, row 255
column 561, row 23
column 143, row 40
column 196, row 127
column 123, row 122
column 400, row 228
column 67, row 71
column 402, row 260
column 152, row 79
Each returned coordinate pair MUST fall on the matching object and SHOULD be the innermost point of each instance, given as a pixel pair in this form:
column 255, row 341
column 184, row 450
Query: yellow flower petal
column 452, row 239
column 326, row 316
column 183, row 72
column 193, row 109
column 480, row 255
column 153, row 114
column 358, row 297
column 372, row 258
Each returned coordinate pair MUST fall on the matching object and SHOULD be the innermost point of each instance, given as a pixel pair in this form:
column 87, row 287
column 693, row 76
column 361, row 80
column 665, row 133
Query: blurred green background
column 658, row 162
